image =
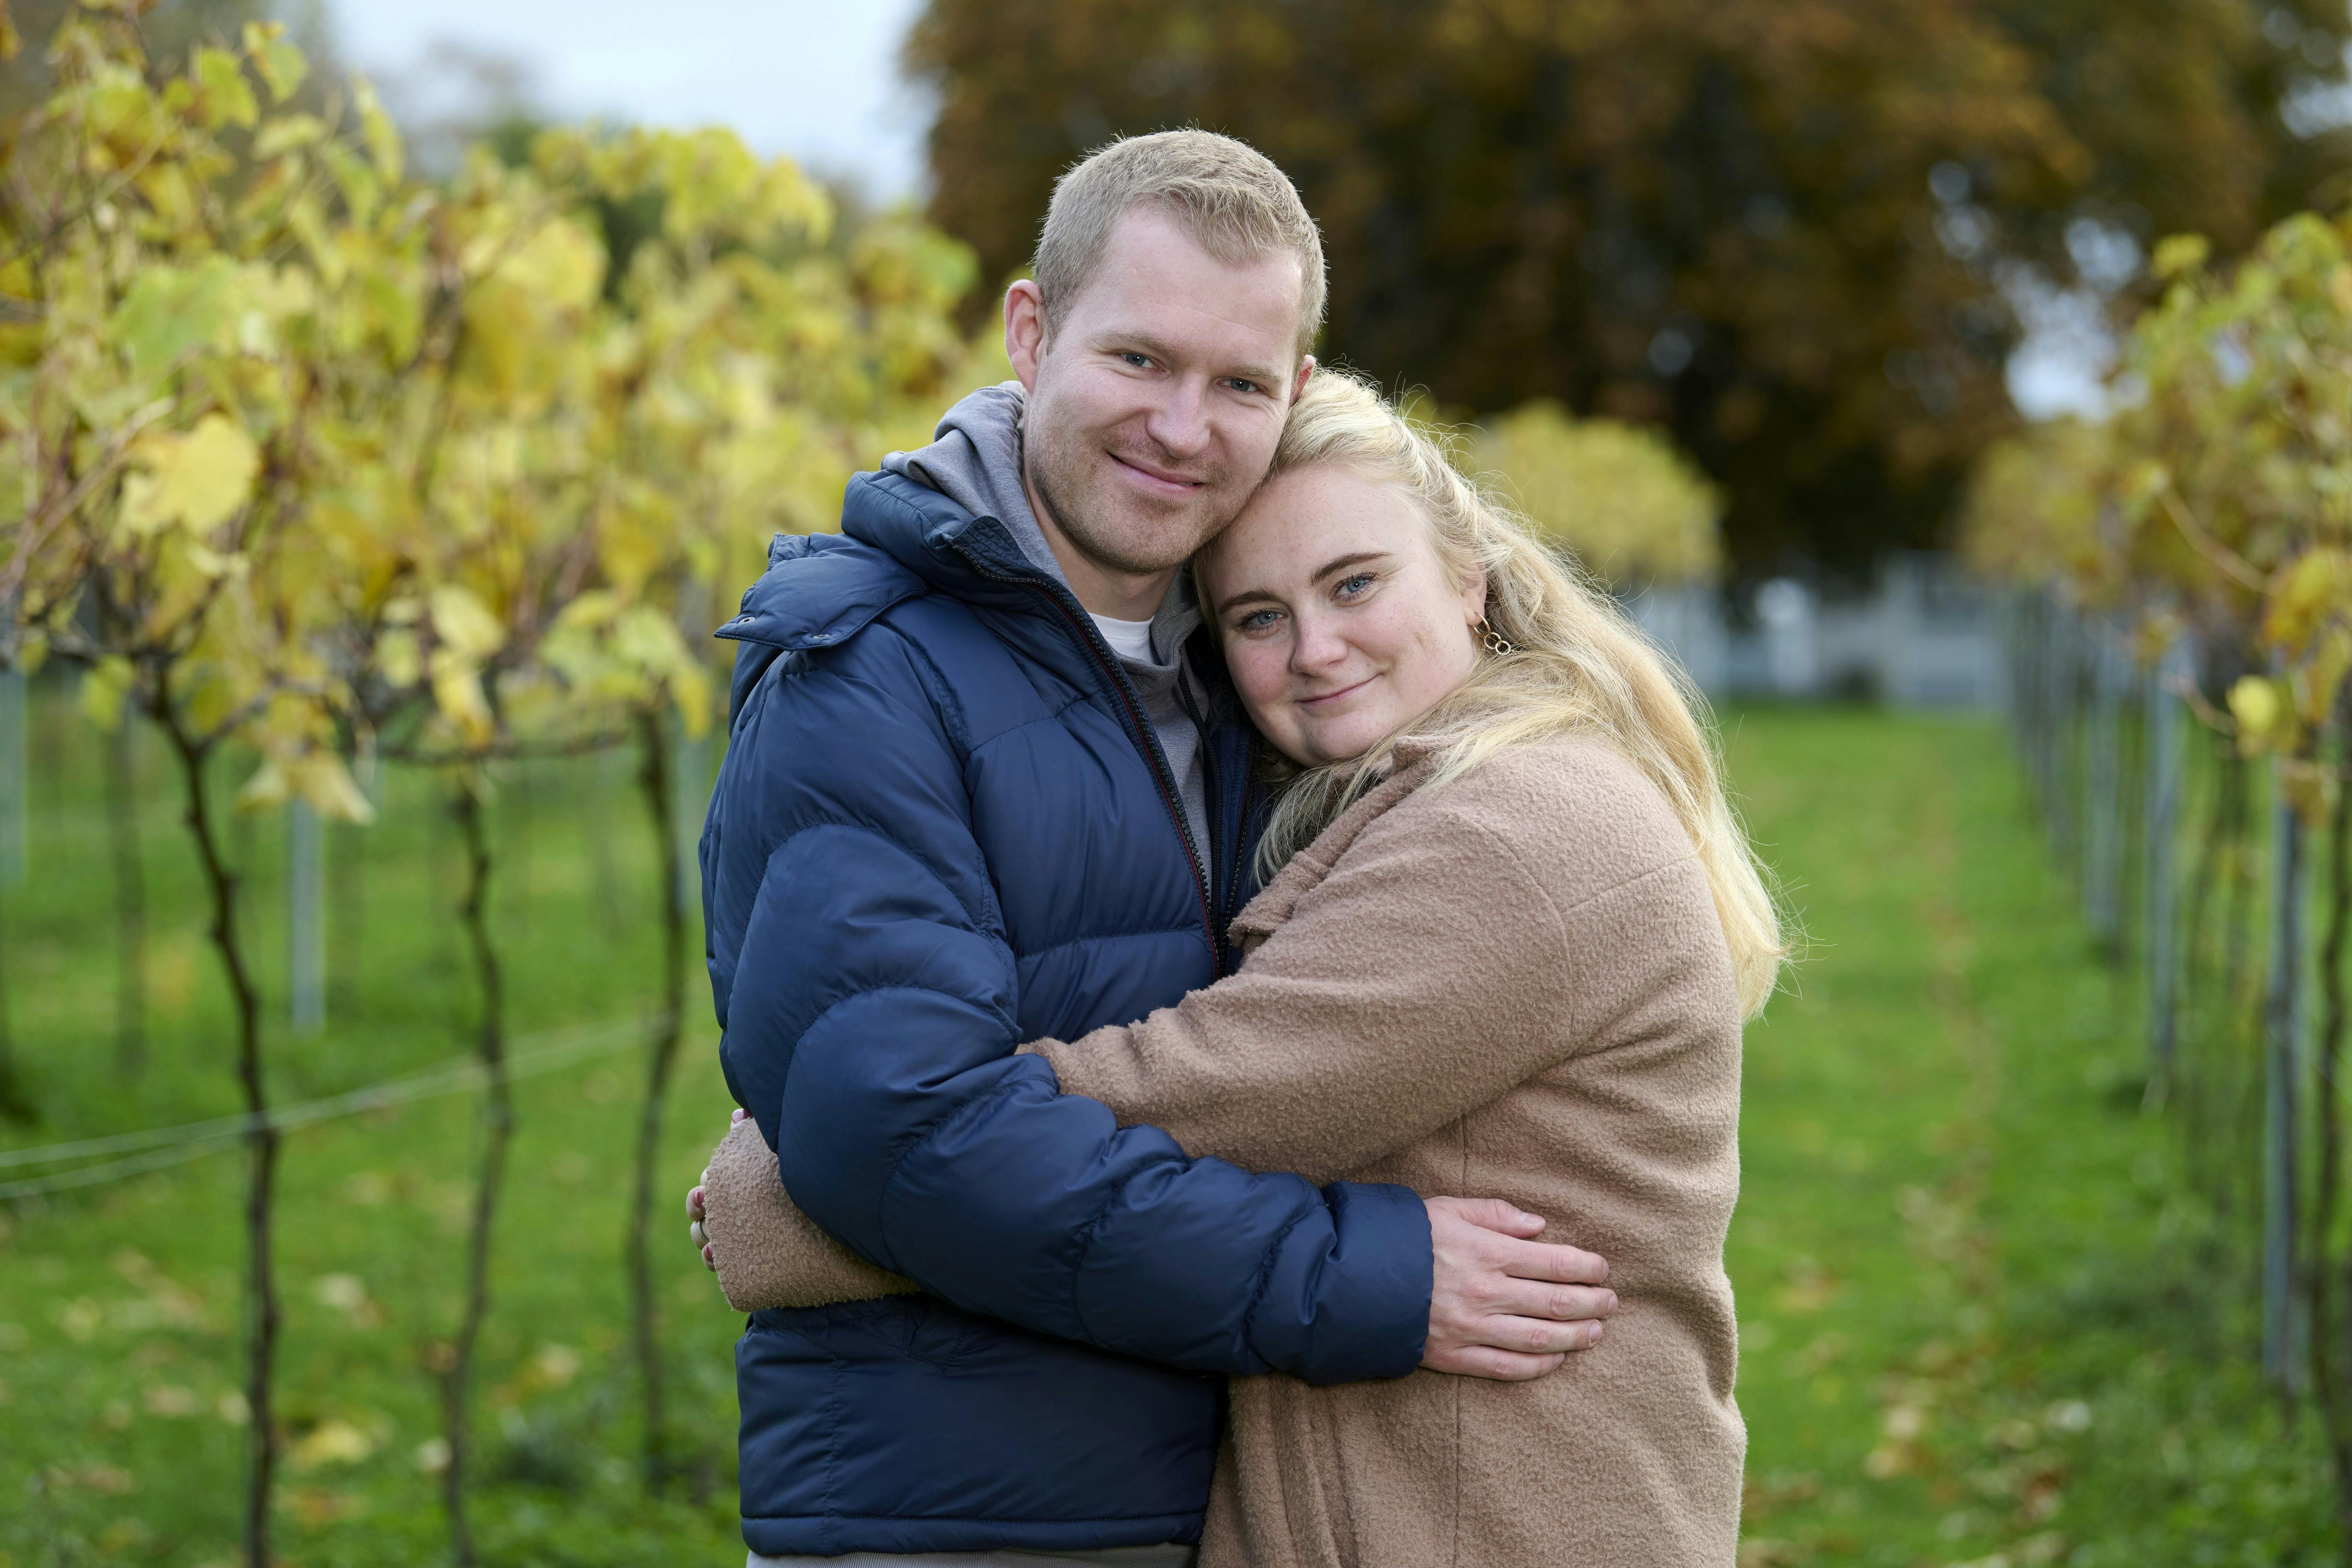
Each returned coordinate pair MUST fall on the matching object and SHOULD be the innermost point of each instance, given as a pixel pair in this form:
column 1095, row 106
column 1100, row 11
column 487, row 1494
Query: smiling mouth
column 1166, row 484
column 1335, row 695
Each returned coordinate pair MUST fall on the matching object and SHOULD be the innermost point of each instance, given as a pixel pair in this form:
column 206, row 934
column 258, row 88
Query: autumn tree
column 161, row 427
column 1781, row 229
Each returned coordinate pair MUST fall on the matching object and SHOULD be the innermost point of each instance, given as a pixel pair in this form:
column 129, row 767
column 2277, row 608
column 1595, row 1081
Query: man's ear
column 1024, row 331
column 1298, row 383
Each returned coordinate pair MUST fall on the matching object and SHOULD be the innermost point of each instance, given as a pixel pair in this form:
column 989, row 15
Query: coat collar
column 1266, row 913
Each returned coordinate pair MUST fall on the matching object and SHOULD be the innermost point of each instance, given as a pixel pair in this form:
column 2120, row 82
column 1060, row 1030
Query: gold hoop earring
column 1496, row 642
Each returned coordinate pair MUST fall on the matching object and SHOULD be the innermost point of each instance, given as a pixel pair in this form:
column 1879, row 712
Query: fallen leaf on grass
column 170, row 1400
column 316, row 1506
column 332, row 1443
column 107, row 1480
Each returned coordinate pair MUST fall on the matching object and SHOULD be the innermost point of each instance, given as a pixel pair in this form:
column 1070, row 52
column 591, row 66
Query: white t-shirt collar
column 1129, row 639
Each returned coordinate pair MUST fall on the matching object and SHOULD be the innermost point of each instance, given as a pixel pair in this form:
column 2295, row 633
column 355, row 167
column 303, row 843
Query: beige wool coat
column 1512, row 986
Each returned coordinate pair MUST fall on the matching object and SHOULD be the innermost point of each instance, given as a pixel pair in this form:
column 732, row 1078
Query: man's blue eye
column 1139, row 361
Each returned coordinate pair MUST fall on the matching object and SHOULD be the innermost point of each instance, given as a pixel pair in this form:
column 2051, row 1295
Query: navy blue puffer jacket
column 943, row 827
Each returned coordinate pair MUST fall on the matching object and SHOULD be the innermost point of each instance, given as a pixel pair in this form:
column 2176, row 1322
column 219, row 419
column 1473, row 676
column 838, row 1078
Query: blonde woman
column 1509, row 932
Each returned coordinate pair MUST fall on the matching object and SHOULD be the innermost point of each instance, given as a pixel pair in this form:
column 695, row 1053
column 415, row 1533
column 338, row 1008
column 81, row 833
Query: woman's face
column 1339, row 620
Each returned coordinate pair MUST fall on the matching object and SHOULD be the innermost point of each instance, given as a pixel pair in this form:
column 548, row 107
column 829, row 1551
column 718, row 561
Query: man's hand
column 1502, row 1304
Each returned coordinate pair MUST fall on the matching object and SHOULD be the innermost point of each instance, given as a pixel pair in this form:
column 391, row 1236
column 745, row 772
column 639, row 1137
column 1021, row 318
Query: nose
column 1316, row 646
column 1180, row 424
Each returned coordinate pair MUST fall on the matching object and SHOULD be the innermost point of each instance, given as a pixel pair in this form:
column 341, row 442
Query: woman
column 1509, row 937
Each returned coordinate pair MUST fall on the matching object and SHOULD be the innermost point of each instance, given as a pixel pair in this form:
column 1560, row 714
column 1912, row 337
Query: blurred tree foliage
column 1779, row 226
column 1618, row 497
column 168, row 31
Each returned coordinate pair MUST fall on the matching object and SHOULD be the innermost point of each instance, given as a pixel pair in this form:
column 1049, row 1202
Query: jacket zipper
column 1091, row 638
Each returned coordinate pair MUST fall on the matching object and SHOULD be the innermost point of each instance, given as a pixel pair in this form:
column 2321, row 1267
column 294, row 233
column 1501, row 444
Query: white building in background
column 1927, row 635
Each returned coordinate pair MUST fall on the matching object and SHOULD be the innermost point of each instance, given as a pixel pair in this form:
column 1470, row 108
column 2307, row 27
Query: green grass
column 1980, row 1322
column 1975, row 1325
column 120, row 1308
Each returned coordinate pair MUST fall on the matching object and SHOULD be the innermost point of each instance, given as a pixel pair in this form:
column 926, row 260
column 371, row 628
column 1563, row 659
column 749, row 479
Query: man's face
column 1156, row 401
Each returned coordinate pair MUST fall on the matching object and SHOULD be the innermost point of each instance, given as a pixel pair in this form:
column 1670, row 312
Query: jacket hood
column 974, row 460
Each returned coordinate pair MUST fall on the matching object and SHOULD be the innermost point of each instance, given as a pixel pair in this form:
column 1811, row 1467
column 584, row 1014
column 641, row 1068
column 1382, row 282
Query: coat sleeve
column 1439, row 965
column 868, row 1008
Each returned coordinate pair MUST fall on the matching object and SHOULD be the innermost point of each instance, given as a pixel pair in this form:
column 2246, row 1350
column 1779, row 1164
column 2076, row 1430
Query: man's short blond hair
column 1229, row 196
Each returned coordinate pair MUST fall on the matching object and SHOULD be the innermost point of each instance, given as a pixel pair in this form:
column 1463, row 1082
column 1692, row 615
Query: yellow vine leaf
column 397, row 657
column 463, row 627
column 197, row 480
column 457, row 693
column 2255, row 702
column 318, row 779
column 2318, row 585
column 103, row 688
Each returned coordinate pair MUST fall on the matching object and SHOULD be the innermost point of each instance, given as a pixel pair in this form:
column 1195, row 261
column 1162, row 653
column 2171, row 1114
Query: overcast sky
column 816, row 79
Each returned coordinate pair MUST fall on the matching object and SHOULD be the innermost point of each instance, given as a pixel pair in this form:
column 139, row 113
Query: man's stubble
column 1074, row 498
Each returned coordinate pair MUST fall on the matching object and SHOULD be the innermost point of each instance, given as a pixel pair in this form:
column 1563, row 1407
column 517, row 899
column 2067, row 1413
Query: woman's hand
column 1502, row 1304
column 694, row 1214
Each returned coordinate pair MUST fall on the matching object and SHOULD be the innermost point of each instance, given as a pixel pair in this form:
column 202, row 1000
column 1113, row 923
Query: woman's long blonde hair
column 1580, row 667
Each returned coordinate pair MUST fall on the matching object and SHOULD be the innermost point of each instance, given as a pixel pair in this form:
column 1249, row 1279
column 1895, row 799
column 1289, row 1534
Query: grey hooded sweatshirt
column 974, row 460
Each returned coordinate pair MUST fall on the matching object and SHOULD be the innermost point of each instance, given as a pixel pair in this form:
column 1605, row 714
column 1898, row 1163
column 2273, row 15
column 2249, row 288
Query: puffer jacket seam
column 1187, row 930
column 1265, row 1282
column 936, row 686
column 835, row 1371
column 984, row 923
column 1053, row 716
column 922, row 1140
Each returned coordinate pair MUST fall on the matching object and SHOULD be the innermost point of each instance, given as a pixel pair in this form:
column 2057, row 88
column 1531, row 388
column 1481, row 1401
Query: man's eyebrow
column 1158, row 349
column 1329, row 569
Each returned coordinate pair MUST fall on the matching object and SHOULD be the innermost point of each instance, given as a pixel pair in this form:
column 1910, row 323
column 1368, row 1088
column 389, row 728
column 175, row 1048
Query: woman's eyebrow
column 1245, row 596
column 1344, row 561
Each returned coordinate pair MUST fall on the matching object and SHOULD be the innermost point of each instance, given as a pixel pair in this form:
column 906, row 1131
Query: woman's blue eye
column 1258, row 620
column 1350, row 586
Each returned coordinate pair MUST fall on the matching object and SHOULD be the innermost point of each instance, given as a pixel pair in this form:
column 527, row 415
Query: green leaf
column 2180, row 253
column 279, row 63
column 362, row 189
column 377, row 131
column 224, row 96
column 172, row 311
column 286, row 131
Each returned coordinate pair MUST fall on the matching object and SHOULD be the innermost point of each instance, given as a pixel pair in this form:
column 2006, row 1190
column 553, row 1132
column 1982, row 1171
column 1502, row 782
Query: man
column 984, row 785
